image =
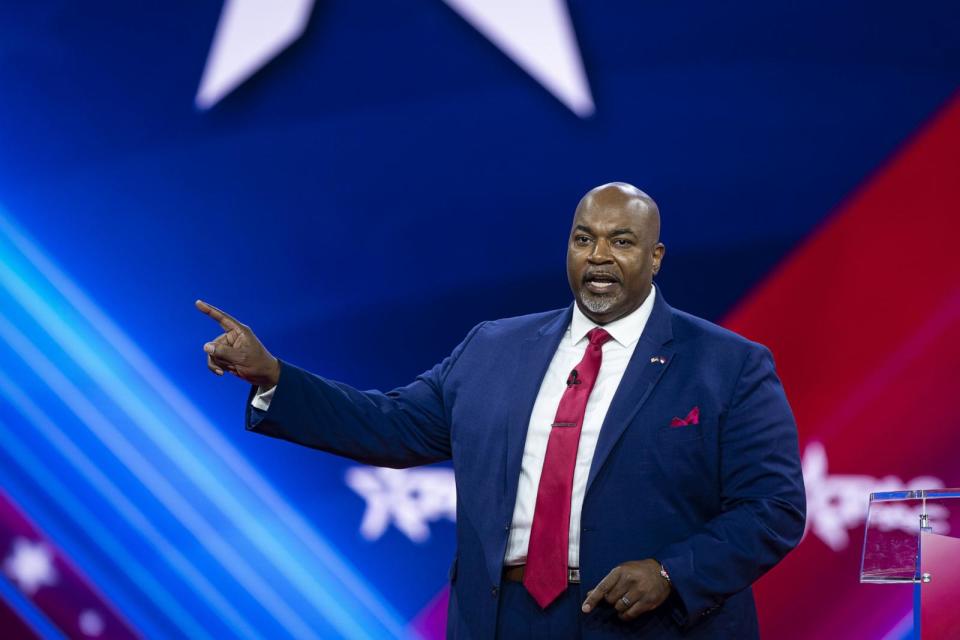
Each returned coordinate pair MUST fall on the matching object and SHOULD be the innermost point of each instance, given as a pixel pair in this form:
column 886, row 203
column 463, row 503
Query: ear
column 659, row 250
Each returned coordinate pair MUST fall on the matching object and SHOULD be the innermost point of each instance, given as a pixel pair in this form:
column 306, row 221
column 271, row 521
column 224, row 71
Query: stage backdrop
column 362, row 182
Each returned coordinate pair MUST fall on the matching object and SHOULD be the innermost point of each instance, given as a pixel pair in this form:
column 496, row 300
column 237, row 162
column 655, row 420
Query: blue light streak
column 150, row 476
column 32, row 466
column 137, row 519
column 170, row 422
column 28, row 612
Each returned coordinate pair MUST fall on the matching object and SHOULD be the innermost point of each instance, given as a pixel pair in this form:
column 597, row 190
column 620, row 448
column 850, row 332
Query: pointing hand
column 239, row 351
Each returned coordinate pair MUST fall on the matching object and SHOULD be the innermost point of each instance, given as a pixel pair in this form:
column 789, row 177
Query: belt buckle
column 573, row 576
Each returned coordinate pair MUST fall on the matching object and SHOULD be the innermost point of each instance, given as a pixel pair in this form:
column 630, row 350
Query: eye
column 581, row 240
column 622, row 242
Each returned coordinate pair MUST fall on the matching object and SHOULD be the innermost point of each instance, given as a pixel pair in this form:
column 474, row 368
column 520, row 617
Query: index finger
column 597, row 593
column 227, row 322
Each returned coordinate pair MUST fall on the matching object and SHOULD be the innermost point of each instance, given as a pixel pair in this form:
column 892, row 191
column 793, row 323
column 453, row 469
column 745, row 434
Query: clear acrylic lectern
column 914, row 536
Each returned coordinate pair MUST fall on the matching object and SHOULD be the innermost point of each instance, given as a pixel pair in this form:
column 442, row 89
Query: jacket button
column 494, row 591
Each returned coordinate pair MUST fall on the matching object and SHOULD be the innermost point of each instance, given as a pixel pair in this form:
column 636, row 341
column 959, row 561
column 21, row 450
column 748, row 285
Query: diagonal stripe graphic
column 140, row 365
column 279, row 540
column 84, row 518
column 864, row 319
column 52, row 583
column 116, row 497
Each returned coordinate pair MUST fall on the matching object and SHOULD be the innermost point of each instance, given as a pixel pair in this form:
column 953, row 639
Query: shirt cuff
column 262, row 398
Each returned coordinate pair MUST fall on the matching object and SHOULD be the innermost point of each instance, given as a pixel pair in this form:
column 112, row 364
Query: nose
column 600, row 253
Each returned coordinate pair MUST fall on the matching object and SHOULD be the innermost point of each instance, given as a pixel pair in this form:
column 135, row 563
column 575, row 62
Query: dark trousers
column 521, row 618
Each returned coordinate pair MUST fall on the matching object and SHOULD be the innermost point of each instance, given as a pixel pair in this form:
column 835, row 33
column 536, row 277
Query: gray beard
column 598, row 304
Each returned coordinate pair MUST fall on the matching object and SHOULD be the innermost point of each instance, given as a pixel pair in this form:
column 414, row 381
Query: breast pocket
column 674, row 435
column 682, row 458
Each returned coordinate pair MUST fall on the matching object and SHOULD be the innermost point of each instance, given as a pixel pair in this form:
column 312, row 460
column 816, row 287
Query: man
column 617, row 445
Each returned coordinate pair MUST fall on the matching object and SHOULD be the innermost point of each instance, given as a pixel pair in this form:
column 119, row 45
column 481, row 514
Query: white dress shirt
column 263, row 397
column 616, row 355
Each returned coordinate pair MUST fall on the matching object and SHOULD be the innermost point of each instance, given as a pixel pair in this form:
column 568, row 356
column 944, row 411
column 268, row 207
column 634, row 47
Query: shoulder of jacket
column 524, row 323
column 688, row 327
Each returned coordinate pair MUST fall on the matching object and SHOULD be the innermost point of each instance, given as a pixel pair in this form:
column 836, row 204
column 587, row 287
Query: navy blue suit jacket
column 718, row 503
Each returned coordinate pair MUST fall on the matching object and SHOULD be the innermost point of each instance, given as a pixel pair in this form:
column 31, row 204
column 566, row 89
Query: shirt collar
column 625, row 330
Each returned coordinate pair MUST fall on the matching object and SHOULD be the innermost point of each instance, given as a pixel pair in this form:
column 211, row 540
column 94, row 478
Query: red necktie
column 545, row 575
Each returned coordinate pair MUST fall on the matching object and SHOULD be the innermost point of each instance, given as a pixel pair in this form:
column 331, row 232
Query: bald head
column 614, row 251
column 624, row 197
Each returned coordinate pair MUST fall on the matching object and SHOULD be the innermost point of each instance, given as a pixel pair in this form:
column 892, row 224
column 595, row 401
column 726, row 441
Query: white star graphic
column 91, row 623
column 536, row 34
column 30, row 565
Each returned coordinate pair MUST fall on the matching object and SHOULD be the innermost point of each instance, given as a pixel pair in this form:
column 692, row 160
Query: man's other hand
column 239, row 351
column 632, row 588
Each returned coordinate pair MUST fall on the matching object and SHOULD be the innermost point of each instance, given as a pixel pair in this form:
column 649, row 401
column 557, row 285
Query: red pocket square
column 692, row 418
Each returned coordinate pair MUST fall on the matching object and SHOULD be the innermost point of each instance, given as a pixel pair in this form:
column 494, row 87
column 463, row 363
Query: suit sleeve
column 405, row 427
column 763, row 504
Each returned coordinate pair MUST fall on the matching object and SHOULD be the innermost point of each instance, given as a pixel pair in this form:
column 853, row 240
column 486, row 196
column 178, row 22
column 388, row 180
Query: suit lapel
column 534, row 356
column 643, row 372
column 534, row 359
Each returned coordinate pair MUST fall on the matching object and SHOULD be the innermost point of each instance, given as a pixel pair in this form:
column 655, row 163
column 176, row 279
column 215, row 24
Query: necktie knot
column 598, row 336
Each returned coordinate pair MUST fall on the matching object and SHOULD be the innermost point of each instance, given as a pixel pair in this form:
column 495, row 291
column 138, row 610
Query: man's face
column 612, row 256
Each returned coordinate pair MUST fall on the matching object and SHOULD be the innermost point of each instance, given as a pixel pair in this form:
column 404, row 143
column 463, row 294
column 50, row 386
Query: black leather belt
column 515, row 574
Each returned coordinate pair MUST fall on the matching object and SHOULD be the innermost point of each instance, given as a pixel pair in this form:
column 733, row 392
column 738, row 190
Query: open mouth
column 601, row 282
